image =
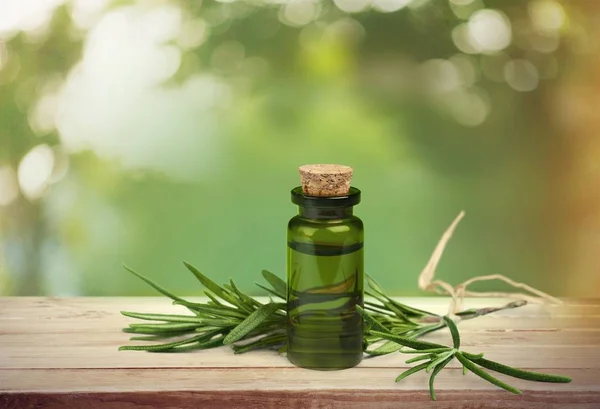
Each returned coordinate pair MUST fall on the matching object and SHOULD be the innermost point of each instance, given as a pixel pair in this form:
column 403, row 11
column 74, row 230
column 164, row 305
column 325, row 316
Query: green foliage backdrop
column 147, row 133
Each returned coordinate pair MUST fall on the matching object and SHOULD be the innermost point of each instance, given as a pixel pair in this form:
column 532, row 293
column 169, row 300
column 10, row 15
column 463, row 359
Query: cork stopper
column 325, row 180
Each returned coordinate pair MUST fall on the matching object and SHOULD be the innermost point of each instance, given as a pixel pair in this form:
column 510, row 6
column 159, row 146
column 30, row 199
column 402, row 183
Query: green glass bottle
column 325, row 282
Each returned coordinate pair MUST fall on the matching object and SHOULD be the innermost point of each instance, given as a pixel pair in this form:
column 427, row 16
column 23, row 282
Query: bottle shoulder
column 348, row 230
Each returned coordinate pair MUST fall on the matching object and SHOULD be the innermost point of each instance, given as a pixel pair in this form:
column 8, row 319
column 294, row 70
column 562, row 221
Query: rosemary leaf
column 152, row 329
column 453, row 330
column 482, row 374
column 419, row 358
column 163, row 317
column 213, row 343
column 162, row 346
column 377, row 296
column 411, row 371
column 236, row 300
column 400, row 329
column 520, row 373
column 370, row 320
column 374, row 285
column 154, row 285
column 279, row 286
column 407, row 342
column 399, row 315
column 397, row 312
column 407, row 311
column 209, row 284
column 158, row 337
column 271, row 291
column 218, row 311
column 423, row 330
column 213, row 298
column 249, row 301
column 268, row 341
column 472, row 357
column 425, row 351
column 440, row 358
column 253, row 321
column 377, row 308
column 417, row 312
column 387, row 348
column 437, row 370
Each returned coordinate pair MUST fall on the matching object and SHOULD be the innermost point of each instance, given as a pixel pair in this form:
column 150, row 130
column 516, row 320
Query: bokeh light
column 129, row 118
column 462, row 41
column 462, row 2
column 35, row 171
column 193, row 33
column 546, row 43
column 470, row 107
column 345, row 29
column 489, row 30
column 352, row 6
column 300, row 12
column 441, row 75
column 548, row 16
column 42, row 116
column 521, row 75
column 25, row 15
column 86, row 13
column 389, row 6
column 227, row 56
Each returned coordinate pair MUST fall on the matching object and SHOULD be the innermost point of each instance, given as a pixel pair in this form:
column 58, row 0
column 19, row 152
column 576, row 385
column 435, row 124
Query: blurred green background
column 150, row 132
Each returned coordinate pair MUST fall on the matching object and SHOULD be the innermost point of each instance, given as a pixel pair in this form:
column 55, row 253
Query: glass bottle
column 325, row 282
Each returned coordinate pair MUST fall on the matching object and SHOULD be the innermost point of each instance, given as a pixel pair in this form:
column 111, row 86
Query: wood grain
column 61, row 353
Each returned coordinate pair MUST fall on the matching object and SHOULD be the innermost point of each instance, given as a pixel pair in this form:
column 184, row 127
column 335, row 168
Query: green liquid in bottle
column 325, row 283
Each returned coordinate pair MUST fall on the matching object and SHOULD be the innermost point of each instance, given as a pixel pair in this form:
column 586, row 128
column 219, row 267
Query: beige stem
column 427, row 283
column 429, row 271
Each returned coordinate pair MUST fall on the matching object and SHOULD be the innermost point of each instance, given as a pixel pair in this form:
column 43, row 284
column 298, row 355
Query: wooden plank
column 275, row 388
column 267, row 379
column 58, row 357
column 322, row 399
column 63, row 355
column 115, row 323
column 97, row 337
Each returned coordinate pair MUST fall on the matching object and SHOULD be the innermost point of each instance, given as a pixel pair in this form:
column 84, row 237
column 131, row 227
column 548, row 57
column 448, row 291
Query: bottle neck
column 325, row 213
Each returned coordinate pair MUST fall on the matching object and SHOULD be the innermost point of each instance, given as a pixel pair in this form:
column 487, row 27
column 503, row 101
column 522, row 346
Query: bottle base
column 325, row 363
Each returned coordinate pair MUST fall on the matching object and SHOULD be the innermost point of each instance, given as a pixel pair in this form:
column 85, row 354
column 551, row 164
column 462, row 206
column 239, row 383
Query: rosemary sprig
column 229, row 317
column 437, row 356
column 241, row 319
column 233, row 318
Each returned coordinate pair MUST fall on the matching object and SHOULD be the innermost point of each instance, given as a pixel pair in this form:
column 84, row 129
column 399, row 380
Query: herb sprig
column 400, row 319
column 231, row 317
column 437, row 356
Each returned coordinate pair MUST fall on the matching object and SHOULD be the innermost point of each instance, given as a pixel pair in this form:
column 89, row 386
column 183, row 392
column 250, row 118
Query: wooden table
column 62, row 353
